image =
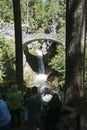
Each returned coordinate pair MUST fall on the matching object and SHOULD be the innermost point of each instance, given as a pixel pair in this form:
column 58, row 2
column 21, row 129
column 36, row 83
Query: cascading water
column 40, row 62
column 41, row 78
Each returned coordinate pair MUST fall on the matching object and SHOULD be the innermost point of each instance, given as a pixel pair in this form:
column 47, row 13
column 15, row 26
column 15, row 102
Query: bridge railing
column 41, row 36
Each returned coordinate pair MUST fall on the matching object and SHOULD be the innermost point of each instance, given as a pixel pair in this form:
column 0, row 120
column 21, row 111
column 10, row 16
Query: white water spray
column 41, row 78
column 40, row 62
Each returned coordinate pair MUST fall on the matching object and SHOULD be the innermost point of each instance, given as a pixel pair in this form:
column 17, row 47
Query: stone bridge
column 28, row 38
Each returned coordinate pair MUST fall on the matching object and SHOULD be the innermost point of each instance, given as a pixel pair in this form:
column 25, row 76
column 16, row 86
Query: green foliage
column 1, row 79
column 35, row 13
column 58, row 62
column 7, row 57
column 6, row 12
column 39, row 13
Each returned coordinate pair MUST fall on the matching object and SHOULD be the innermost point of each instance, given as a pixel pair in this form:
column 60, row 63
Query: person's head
column 14, row 87
column 28, row 92
column 34, row 90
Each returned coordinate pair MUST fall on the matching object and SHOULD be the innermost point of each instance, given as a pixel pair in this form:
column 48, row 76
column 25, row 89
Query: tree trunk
column 18, row 43
column 75, row 45
column 75, row 53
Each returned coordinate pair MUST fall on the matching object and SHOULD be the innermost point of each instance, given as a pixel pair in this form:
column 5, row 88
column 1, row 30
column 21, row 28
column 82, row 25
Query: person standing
column 53, row 112
column 26, row 95
column 15, row 103
column 34, row 106
column 5, row 116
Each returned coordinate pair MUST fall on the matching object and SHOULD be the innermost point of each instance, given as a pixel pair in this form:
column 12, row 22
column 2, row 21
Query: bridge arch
column 41, row 36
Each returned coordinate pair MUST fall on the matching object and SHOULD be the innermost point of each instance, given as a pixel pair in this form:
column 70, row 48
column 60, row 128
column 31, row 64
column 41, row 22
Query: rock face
column 32, row 60
column 50, row 54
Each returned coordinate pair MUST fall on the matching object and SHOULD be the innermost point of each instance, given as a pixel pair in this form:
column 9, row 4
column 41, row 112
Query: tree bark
column 75, row 46
column 75, row 57
column 18, row 43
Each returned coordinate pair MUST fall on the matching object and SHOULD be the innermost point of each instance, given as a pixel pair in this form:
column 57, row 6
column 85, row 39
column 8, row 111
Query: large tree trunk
column 75, row 45
column 18, row 43
column 75, row 53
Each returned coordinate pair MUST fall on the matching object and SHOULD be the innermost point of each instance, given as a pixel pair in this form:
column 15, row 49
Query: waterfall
column 40, row 62
column 40, row 79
